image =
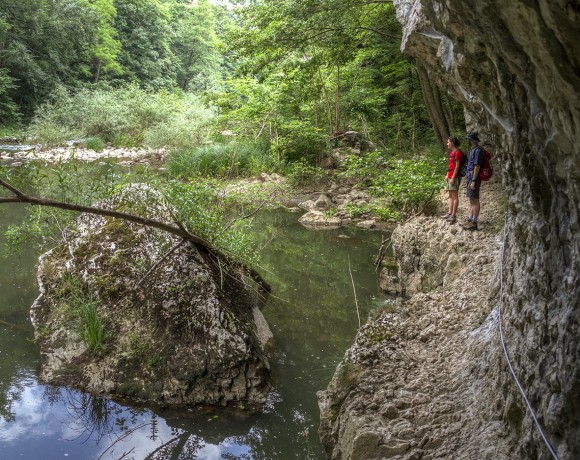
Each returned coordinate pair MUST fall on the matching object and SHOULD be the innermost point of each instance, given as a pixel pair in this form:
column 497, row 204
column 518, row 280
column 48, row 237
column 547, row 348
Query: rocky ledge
column 172, row 332
column 410, row 386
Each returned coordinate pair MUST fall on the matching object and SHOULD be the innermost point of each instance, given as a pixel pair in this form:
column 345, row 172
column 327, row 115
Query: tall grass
column 92, row 324
column 231, row 160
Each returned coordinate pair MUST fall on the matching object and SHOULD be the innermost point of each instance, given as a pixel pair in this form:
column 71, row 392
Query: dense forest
column 291, row 74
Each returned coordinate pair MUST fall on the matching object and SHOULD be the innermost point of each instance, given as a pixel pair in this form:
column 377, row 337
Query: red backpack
column 487, row 169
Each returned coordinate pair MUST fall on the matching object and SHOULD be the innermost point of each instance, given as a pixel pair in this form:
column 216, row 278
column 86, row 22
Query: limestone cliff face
column 515, row 67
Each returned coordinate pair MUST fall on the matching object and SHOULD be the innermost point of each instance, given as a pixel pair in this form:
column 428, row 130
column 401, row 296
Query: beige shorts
column 455, row 185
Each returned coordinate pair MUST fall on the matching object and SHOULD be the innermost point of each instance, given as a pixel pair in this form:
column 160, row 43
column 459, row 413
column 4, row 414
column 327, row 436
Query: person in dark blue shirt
column 474, row 165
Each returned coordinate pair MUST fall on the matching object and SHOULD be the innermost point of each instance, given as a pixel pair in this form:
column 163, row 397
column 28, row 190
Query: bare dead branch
column 354, row 291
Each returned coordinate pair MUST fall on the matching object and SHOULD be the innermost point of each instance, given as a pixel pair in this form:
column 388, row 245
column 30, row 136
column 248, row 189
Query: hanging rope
column 505, row 351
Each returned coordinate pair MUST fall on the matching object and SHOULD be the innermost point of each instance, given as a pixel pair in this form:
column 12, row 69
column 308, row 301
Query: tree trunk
column 434, row 107
column 98, row 71
column 337, row 100
column 327, row 99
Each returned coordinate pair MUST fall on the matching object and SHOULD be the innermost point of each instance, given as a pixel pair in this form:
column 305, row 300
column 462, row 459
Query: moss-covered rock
column 184, row 333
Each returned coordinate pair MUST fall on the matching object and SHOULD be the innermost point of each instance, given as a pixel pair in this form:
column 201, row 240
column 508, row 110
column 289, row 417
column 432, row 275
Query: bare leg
column 453, row 201
column 474, row 208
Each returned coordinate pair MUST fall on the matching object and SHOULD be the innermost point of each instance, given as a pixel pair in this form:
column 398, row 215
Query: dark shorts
column 473, row 193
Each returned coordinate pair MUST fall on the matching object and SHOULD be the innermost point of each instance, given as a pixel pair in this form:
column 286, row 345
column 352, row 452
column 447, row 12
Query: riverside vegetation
column 225, row 91
column 230, row 102
column 225, row 95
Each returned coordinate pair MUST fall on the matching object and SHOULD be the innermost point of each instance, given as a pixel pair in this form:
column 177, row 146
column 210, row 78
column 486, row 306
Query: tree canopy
column 293, row 72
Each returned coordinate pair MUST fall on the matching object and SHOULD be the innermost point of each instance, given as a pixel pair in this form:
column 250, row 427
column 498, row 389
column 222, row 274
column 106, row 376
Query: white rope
column 505, row 351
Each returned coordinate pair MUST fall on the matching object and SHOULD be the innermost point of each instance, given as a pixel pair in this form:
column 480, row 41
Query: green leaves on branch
column 408, row 184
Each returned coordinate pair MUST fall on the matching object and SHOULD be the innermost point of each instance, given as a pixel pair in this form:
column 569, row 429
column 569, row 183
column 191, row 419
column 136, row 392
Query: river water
column 313, row 315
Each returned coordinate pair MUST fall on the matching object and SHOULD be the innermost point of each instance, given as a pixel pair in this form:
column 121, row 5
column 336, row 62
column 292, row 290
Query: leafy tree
column 195, row 45
column 108, row 47
column 334, row 63
column 43, row 44
column 8, row 109
column 144, row 29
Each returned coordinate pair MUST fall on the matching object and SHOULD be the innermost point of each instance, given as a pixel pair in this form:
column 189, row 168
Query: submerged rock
column 187, row 333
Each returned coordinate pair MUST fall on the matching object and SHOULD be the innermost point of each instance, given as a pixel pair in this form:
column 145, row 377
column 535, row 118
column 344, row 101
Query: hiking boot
column 451, row 219
column 445, row 216
column 471, row 226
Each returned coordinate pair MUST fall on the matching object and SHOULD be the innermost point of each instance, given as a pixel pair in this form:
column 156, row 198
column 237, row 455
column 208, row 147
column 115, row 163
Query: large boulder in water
column 187, row 333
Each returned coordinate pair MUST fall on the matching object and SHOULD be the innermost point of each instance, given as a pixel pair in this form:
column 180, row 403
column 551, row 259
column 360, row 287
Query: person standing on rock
column 474, row 165
column 452, row 179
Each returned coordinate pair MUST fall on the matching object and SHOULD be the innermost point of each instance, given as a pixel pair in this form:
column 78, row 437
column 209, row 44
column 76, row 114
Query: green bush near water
column 232, row 159
column 127, row 116
column 95, row 143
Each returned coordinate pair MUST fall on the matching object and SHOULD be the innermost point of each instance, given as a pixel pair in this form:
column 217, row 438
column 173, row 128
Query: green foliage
column 300, row 140
column 203, row 212
column 365, row 166
column 144, row 29
column 71, row 44
column 9, row 112
column 189, row 124
column 195, row 45
column 336, row 67
column 91, row 323
column 108, row 47
column 408, row 184
column 232, row 160
column 382, row 211
column 126, row 116
column 95, row 143
column 77, row 306
column 302, row 173
column 45, row 44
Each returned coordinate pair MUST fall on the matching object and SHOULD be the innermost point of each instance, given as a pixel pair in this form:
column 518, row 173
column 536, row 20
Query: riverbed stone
column 186, row 333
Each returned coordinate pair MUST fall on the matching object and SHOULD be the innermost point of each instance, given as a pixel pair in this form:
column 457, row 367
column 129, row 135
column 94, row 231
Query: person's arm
column 475, row 174
column 476, row 169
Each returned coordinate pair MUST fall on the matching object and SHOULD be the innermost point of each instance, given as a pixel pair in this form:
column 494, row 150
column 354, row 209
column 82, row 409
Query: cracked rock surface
column 177, row 336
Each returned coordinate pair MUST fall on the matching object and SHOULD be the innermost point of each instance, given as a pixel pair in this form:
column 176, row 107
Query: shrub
column 300, row 140
column 232, row 159
column 365, row 166
column 301, row 173
column 190, row 125
column 127, row 116
column 95, row 143
column 408, row 184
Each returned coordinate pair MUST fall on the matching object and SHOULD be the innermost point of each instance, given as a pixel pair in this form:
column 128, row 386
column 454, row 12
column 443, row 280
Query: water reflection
column 313, row 317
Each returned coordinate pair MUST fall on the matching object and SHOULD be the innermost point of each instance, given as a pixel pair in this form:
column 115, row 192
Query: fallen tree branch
column 354, row 291
column 178, row 229
column 382, row 252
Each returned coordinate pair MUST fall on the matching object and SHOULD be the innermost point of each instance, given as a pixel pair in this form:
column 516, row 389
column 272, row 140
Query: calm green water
column 312, row 315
